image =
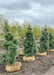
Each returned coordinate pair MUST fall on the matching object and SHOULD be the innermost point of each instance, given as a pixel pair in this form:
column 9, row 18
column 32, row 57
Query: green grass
column 17, row 36
column 1, row 36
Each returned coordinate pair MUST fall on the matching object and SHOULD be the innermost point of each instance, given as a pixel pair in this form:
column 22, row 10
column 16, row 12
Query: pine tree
column 51, row 41
column 44, row 41
column 10, row 45
column 29, row 43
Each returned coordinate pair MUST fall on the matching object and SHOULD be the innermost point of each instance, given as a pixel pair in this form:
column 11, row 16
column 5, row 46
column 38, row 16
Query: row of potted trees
column 29, row 51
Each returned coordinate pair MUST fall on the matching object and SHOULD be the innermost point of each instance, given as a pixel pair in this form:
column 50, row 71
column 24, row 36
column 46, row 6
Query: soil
column 39, row 67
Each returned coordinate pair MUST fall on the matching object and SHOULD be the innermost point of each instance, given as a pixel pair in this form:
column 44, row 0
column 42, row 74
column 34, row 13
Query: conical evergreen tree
column 51, row 41
column 44, row 41
column 10, row 45
column 29, row 43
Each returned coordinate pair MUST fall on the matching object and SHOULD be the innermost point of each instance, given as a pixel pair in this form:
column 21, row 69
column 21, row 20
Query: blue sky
column 38, row 12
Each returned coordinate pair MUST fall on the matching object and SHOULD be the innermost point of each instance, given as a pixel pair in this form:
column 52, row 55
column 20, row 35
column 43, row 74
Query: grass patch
column 17, row 36
column 1, row 36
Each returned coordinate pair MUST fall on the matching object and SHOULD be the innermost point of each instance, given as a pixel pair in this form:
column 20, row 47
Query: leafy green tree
column 3, row 24
column 51, row 41
column 6, row 26
column 20, row 31
column 44, row 41
column 14, row 29
column 29, row 43
column 36, row 31
column 10, row 45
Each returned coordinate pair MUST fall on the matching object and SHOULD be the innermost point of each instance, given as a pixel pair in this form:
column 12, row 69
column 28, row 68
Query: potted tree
column 44, row 43
column 9, row 58
column 51, row 43
column 29, row 46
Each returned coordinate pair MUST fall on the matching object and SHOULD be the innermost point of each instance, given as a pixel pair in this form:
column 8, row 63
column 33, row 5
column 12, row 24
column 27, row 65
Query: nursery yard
column 41, row 66
column 26, row 37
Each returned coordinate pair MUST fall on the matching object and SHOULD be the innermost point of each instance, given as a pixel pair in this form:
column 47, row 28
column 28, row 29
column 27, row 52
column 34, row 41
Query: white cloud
column 34, row 11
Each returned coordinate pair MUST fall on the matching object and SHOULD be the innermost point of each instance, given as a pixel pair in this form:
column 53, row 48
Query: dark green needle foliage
column 51, row 41
column 29, row 43
column 44, row 41
column 10, row 45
